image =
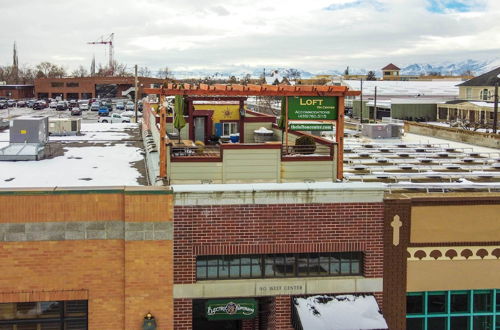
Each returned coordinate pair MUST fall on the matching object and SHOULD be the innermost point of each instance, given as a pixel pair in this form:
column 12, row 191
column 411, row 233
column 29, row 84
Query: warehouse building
column 91, row 87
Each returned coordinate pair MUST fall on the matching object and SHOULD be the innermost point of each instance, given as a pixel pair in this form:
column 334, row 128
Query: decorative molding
column 396, row 225
column 454, row 253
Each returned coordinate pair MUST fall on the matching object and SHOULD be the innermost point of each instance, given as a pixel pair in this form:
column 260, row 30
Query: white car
column 114, row 118
column 84, row 106
column 131, row 113
column 53, row 105
column 130, row 106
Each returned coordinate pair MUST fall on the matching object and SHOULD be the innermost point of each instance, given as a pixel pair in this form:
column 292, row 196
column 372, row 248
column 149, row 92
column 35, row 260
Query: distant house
column 480, row 88
column 390, row 72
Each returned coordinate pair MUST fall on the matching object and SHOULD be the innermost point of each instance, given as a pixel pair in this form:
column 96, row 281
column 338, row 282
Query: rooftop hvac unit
column 25, row 129
column 65, row 126
column 377, row 131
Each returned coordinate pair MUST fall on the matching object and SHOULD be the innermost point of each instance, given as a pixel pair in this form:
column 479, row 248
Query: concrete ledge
column 278, row 193
column 276, row 287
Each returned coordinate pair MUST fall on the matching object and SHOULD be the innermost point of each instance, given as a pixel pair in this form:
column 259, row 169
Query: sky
column 314, row 35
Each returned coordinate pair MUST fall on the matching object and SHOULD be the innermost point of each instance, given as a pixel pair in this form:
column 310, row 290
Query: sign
column 311, row 127
column 312, row 108
column 231, row 309
column 281, row 288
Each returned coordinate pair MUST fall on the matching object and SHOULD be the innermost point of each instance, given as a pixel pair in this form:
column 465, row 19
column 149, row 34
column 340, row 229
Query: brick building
column 90, row 87
column 85, row 258
column 272, row 244
column 17, row 92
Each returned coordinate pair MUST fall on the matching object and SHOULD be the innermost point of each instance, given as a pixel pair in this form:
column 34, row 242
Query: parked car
column 11, row 103
column 114, row 118
column 72, row 104
column 76, row 111
column 103, row 111
column 84, row 106
column 130, row 114
column 39, row 105
column 3, row 104
column 53, row 105
column 120, row 106
column 95, row 106
column 30, row 103
column 21, row 104
column 130, row 106
column 61, row 105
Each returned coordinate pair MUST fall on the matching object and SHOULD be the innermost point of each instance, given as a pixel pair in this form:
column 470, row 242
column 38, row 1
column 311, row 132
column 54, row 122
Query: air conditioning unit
column 65, row 126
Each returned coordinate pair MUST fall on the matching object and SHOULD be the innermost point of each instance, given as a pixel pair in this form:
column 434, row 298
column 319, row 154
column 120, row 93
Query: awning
column 342, row 312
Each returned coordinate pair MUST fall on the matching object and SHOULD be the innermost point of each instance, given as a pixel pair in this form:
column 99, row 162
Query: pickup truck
column 114, row 118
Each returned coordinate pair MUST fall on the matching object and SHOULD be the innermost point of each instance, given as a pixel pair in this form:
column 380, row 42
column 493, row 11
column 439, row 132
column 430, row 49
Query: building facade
column 17, row 92
column 271, row 244
column 91, row 87
column 85, row 258
column 441, row 261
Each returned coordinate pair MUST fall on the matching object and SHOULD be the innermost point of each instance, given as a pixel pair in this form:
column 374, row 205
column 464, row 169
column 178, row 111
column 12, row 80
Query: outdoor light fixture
column 149, row 322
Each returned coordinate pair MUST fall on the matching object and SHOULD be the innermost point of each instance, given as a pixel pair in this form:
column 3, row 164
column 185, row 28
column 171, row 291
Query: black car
column 39, row 105
column 3, row 104
column 61, row 105
column 76, row 111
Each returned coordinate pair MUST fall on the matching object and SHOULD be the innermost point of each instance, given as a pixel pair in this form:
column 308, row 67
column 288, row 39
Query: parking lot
column 87, row 116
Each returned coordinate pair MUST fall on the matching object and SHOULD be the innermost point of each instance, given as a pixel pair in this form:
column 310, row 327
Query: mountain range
column 476, row 67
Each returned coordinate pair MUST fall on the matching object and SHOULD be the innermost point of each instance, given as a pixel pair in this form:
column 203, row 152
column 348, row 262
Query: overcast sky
column 313, row 35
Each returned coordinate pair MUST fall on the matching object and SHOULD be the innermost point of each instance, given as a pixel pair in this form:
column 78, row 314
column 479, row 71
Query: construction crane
column 107, row 41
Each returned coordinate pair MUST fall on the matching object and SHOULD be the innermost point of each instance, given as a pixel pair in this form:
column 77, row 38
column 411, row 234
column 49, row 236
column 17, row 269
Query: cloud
column 354, row 4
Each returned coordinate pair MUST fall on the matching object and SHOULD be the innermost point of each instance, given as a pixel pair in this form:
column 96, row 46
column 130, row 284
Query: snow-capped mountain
column 474, row 67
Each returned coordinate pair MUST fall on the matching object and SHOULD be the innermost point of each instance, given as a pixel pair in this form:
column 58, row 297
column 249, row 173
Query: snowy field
column 105, row 155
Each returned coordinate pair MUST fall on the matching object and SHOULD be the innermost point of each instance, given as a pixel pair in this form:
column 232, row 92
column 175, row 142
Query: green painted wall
column 405, row 111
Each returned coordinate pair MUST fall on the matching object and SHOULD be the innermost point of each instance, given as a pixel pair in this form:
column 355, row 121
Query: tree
column 434, row 73
column 292, row 74
column 49, row 70
column 371, row 75
column 144, row 71
column 165, row 73
column 246, row 79
column 346, row 72
column 232, row 80
column 80, row 72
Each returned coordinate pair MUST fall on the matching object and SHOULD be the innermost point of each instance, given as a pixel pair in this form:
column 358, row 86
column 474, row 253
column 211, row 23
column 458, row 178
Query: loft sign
column 312, row 108
column 235, row 309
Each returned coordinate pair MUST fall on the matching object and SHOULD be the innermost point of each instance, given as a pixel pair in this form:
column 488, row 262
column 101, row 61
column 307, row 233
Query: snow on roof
column 483, row 104
column 406, row 88
column 104, row 156
column 340, row 312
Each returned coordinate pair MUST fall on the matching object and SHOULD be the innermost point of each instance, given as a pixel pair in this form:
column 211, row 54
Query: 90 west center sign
column 312, row 108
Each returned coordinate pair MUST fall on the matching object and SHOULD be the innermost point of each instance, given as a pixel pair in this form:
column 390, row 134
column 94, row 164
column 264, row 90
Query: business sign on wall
column 312, row 108
column 231, row 309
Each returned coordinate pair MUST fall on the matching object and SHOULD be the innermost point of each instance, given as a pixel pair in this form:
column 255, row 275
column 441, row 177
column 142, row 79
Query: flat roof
column 104, row 155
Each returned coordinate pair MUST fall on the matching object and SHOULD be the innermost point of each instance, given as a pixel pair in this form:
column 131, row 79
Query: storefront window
column 47, row 315
column 449, row 310
column 278, row 265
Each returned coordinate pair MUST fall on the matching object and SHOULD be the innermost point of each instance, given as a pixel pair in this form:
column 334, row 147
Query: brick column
column 283, row 313
column 183, row 310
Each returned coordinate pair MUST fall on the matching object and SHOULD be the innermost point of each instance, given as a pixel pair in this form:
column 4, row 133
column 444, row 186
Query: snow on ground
column 415, row 138
column 343, row 312
column 99, row 160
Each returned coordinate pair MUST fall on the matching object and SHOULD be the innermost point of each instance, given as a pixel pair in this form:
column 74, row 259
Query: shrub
column 305, row 144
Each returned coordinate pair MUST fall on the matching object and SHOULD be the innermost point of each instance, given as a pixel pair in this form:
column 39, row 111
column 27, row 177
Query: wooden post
column 163, row 132
column 286, row 125
column 339, row 137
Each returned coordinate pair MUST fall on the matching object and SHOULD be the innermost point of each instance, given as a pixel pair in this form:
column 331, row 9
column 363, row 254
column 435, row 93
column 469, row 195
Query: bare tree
column 165, row 73
column 144, row 71
column 371, row 75
column 80, row 72
column 49, row 70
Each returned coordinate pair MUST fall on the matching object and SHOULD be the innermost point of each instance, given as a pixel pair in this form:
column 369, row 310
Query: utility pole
column 495, row 109
column 375, row 109
column 361, row 111
column 136, row 91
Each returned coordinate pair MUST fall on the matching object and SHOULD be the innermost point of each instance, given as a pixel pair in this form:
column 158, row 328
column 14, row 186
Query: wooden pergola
column 255, row 90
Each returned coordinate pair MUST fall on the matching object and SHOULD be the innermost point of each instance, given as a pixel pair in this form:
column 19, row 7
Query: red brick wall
column 183, row 314
column 276, row 228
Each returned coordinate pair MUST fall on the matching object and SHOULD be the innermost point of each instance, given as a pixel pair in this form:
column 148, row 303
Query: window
column 229, row 128
column 387, row 73
column 468, row 93
column 484, row 94
column 57, row 84
column 46, row 315
column 449, row 310
column 279, row 265
column 72, row 84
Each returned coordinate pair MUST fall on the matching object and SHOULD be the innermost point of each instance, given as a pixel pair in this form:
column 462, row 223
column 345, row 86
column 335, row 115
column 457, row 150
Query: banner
column 231, row 309
column 311, row 127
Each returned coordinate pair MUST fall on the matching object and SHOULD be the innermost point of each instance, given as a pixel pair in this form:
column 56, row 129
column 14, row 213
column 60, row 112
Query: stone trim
column 276, row 287
column 85, row 230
